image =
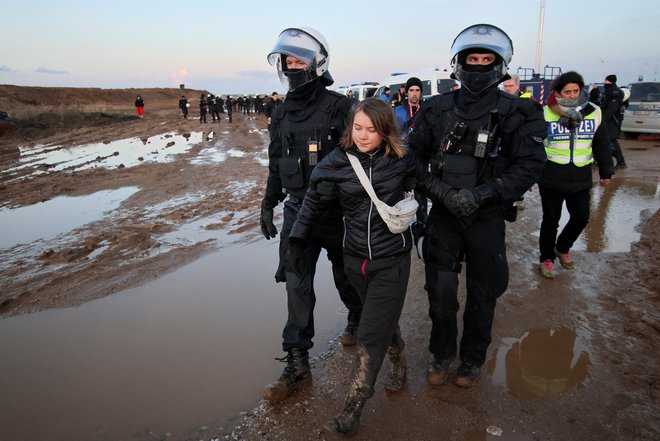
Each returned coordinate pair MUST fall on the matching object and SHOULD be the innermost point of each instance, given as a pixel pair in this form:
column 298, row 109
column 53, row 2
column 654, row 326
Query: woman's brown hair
column 382, row 116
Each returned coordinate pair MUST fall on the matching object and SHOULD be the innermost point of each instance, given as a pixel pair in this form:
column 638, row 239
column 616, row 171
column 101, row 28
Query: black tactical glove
column 484, row 194
column 267, row 226
column 470, row 201
column 297, row 263
column 462, row 203
column 328, row 190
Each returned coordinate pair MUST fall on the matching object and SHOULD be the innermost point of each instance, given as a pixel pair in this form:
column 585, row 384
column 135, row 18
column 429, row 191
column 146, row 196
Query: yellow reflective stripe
column 549, row 114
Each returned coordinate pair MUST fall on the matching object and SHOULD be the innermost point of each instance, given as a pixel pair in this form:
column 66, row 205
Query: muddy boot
column 398, row 366
column 438, row 372
column 361, row 388
column 348, row 337
column 467, row 375
column 296, row 374
column 346, row 423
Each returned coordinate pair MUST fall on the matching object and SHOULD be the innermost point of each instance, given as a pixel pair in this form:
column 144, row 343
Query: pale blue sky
column 222, row 45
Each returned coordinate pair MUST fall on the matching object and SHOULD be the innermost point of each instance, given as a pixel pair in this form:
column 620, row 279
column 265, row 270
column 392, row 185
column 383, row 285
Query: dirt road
column 574, row 358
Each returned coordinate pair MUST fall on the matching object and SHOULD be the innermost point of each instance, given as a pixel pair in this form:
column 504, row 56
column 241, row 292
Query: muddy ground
column 574, row 358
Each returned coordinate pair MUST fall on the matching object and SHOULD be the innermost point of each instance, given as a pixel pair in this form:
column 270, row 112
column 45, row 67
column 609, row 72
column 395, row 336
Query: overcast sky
column 222, row 46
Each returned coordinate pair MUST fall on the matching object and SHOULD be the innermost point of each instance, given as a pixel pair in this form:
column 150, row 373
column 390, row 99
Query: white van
column 434, row 81
column 360, row 91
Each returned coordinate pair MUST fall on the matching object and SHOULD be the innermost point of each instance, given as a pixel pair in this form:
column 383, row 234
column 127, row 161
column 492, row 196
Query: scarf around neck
column 571, row 112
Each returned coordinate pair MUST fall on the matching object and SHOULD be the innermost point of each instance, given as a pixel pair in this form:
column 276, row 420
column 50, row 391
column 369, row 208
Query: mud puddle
column 185, row 353
column 122, row 153
column 543, row 363
column 616, row 212
column 45, row 220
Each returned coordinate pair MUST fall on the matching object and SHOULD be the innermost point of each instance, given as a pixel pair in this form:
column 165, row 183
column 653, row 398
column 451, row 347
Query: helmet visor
column 484, row 36
column 298, row 44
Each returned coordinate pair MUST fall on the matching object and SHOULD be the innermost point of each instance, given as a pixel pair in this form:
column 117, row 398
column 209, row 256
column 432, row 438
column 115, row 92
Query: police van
column 434, row 81
column 361, row 90
column 643, row 112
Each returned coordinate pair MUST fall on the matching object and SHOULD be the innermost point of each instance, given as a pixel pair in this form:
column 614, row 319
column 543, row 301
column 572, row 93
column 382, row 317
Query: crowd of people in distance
column 217, row 105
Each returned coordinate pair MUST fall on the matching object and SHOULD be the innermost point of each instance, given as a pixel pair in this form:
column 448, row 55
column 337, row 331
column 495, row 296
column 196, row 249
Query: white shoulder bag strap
column 364, row 180
column 397, row 218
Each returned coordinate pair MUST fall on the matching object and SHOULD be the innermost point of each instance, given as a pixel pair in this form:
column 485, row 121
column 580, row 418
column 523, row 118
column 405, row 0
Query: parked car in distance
column 643, row 112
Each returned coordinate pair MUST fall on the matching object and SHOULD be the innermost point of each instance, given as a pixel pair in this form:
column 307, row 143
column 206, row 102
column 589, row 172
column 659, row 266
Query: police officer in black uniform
column 306, row 127
column 270, row 108
column 183, row 105
column 613, row 111
column 229, row 103
column 202, row 108
column 488, row 146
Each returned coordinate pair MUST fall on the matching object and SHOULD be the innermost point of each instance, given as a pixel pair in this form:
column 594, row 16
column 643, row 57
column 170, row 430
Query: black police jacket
column 611, row 105
column 271, row 106
column 516, row 154
column 365, row 233
column 311, row 115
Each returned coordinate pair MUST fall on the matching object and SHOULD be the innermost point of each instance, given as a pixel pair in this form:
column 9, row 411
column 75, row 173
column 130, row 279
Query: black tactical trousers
column 381, row 285
column 481, row 245
column 301, row 298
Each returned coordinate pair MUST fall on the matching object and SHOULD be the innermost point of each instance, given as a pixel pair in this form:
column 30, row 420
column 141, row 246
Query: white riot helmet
column 310, row 47
column 481, row 38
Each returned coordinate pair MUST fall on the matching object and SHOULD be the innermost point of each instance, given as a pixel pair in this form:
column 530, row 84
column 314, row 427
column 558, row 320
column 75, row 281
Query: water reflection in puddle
column 542, row 363
column 218, row 152
column 45, row 220
column 192, row 348
column 127, row 152
column 615, row 214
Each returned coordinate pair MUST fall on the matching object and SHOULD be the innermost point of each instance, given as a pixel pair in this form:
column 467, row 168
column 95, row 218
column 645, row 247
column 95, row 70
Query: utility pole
column 540, row 42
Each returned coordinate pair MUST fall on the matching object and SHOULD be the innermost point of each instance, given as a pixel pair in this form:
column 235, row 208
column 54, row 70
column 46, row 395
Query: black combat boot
column 348, row 337
column 296, row 374
column 346, row 423
column 398, row 365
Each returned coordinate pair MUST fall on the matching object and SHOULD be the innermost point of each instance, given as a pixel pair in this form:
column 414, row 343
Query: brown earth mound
column 22, row 101
column 39, row 112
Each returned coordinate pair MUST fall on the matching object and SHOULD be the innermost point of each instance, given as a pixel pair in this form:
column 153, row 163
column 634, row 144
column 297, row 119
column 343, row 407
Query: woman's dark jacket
column 365, row 233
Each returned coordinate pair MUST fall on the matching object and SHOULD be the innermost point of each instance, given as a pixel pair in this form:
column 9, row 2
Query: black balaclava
column 479, row 96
